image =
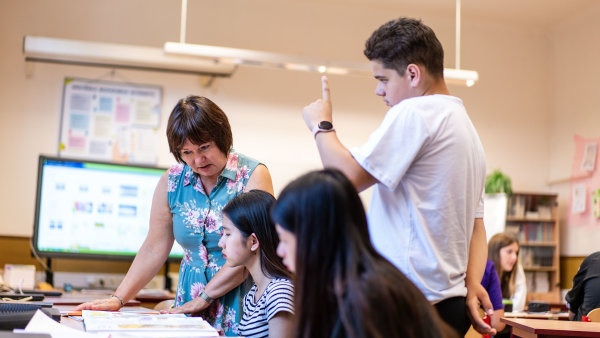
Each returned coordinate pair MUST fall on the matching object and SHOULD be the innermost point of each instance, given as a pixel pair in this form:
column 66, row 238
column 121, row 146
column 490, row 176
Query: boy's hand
column 320, row 110
column 476, row 297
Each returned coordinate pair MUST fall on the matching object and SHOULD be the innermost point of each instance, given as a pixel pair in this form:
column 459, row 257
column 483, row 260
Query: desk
column 78, row 324
column 76, row 298
column 150, row 298
column 529, row 328
column 68, row 302
column 538, row 315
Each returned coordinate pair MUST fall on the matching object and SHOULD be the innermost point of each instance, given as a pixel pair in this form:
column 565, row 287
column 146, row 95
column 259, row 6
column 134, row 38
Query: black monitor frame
column 76, row 255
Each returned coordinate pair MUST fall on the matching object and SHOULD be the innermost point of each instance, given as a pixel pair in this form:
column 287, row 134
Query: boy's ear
column 253, row 242
column 414, row 74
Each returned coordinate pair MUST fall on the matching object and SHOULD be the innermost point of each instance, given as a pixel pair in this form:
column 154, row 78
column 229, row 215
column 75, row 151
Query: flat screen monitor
column 88, row 209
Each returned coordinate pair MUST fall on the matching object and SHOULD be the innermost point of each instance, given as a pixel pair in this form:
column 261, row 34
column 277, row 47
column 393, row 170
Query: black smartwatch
column 322, row 127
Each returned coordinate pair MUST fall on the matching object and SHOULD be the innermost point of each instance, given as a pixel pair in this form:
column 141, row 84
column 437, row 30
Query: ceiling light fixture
column 207, row 60
column 44, row 49
column 246, row 57
column 457, row 75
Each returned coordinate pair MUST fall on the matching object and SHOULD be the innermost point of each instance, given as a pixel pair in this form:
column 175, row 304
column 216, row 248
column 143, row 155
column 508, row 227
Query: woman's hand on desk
column 107, row 304
column 193, row 306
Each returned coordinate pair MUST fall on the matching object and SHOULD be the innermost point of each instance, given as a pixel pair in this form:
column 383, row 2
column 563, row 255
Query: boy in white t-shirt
column 427, row 165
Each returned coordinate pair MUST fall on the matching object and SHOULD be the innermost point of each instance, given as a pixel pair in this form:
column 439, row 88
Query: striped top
column 278, row 296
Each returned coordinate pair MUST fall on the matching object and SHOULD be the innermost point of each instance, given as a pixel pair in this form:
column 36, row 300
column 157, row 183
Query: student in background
column 427, row 166
column 249, row 240
column 186, row 206
column 344, row 288
column 491, row 283
column 503, row 250
column 585, row 294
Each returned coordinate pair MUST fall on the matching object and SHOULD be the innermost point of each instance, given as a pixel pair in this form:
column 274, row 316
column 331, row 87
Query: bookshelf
column 533, row 217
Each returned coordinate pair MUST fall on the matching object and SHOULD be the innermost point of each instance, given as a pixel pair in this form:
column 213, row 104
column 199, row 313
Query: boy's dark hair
column 249, row 212
column 403, row 41
column 199, row 120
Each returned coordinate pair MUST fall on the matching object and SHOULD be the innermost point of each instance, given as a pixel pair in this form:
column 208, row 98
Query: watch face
column 326, row 125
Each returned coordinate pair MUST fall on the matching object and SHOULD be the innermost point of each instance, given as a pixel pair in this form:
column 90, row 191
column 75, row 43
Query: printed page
column 145, row 323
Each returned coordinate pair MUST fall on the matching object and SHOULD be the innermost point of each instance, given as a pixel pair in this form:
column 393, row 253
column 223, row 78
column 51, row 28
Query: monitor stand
column 168, row 281
column 49, row 273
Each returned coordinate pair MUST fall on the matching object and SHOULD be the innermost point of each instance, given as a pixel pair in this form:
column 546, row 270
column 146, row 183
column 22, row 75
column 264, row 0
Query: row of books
column 523, row 206
column 537, row 281
column 532, row 257
column 531, row 232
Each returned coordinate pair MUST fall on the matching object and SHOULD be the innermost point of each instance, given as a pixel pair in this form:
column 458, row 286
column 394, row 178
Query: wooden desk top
column 76, row 298
column 524, row 327
column 538, row 315
column 76, row 322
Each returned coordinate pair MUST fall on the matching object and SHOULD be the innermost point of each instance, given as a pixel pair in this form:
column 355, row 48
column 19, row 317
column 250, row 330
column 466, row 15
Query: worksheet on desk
column 145, row 324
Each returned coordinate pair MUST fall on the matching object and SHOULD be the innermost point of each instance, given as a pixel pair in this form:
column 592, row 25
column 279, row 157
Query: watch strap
column 317, row 129
column 206, row 297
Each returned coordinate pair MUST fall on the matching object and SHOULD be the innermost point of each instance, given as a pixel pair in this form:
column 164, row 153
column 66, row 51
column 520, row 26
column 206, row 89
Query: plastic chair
column 594, row 315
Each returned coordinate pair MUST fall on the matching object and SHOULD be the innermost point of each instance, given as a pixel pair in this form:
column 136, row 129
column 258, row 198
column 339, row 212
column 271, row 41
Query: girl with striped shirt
column 249, row 239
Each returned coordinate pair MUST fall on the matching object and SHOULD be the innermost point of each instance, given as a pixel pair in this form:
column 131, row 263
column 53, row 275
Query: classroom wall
column 537, row 89
column 264, row 105
column 574, row 110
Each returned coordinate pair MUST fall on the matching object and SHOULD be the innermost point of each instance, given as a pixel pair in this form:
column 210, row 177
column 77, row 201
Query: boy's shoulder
column 427, row 106
column 434, row 98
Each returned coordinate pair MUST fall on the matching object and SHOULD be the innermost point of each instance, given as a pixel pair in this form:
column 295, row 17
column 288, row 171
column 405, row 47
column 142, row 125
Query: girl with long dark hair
column 249, row 240
column 344, row 288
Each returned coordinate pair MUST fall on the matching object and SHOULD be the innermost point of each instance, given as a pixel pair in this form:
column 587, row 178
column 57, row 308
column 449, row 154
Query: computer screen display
column 88, row 209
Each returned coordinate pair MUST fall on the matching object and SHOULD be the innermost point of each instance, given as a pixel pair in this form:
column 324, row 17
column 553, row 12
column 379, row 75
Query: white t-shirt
column 277, row 297
column 430, row 165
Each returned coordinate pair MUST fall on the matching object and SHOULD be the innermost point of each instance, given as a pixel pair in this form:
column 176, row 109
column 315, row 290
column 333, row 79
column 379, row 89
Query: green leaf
column 497, row 182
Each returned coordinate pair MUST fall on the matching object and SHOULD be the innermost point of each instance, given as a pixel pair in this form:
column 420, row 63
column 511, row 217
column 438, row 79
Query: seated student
column 585, row 294
column 249, row 239
column 491, row 283
column 344, row 288
column 503, row 250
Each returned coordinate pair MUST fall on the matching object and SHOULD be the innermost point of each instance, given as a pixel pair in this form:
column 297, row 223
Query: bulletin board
column 584, row 202
column 110, row 121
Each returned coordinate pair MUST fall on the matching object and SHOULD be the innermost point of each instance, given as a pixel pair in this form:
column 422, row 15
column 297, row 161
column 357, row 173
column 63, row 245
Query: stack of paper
column 40, row 323
column 148, row 325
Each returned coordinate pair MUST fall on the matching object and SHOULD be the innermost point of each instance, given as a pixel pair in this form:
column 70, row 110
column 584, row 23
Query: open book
column 171, row 325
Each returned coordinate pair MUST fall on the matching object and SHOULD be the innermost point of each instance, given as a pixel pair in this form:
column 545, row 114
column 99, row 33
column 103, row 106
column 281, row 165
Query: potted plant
column 498, row 183
column 497, row 188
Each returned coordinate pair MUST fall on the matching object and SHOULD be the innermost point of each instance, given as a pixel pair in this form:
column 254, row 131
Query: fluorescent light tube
column 103, row 54
column 461, row 76
column 248, row 57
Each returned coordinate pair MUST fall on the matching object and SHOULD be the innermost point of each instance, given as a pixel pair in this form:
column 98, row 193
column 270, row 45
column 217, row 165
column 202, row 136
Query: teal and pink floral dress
column 197, row 226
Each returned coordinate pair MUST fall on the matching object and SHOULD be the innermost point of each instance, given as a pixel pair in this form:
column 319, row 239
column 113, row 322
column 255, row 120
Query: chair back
column 594, row 315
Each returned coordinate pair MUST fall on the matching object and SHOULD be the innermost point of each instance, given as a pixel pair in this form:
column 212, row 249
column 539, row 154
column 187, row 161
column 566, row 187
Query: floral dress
column 197, row 226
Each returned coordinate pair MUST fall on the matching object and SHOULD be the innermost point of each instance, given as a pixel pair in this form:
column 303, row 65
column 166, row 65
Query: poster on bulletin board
column 584, row 202
column 110, row 121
